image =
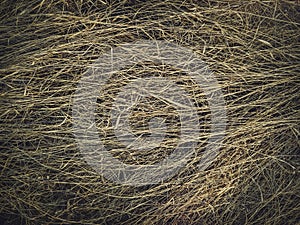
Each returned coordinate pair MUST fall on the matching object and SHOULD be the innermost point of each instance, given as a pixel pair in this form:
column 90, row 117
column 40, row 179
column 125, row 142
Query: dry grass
column 253, row 49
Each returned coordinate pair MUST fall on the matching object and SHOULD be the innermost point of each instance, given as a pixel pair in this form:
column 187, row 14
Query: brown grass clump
column 251, row 46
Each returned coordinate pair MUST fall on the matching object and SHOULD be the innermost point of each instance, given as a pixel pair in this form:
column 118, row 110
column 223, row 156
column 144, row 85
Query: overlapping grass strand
column 251, row 46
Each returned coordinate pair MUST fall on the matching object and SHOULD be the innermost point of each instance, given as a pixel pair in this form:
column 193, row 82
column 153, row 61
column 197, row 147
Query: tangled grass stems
column 251, row 46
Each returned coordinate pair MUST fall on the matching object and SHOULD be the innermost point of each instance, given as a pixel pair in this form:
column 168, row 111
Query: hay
column 251, row 46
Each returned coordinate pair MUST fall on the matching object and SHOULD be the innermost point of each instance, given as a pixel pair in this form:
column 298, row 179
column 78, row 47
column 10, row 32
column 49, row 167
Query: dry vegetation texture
column 251, row 46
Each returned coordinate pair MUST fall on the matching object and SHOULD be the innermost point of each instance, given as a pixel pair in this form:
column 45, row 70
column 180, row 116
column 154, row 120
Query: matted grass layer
column 251, row 46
